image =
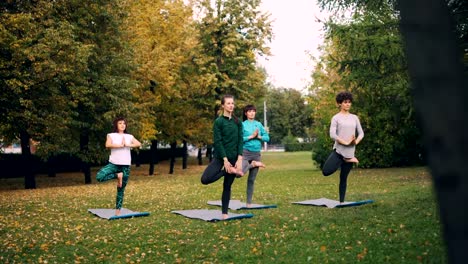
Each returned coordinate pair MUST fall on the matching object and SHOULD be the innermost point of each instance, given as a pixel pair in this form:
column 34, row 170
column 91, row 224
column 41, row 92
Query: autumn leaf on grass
column 361, row 255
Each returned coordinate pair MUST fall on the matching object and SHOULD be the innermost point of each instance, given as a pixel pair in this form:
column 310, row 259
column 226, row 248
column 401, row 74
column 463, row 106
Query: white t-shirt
column 120, row 156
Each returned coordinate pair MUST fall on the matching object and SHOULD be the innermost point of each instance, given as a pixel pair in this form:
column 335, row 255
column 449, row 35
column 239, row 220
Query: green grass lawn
column 51, row 224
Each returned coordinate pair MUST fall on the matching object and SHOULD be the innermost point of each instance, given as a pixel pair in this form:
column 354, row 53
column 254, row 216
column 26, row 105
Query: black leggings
column 333, row 162
column 214, row 172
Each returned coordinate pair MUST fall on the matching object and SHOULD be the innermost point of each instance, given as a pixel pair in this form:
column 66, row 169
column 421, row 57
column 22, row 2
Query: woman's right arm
column 217, row 140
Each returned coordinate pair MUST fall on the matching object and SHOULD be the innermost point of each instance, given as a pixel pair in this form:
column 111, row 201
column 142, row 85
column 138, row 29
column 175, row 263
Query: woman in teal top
column 227, row 162
column 254, row 136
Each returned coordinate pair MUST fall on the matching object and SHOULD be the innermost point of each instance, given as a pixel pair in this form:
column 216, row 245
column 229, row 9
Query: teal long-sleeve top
column 254, row 144
column 227, row 137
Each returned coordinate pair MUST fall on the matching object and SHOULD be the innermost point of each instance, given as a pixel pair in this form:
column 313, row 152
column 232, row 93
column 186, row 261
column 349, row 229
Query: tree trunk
column 137, row 159
column 199, row 156
column 440, row 94
column 85, row 167
column 173, row 152
column 29, row 177
column 184, row 156
column 153, row 156
column 209, row 152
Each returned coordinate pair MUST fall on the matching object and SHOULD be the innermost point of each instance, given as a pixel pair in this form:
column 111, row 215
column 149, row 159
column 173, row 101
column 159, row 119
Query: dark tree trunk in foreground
column 440, row 94
column 85, row 167
column 173, row 154
column 184, row 156
column 29, row 177
column 153, row 156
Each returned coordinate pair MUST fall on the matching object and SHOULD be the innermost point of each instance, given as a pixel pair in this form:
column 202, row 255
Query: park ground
column 51, row 224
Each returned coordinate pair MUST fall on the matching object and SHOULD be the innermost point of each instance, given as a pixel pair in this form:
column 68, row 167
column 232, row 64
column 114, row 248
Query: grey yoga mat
column 238, row 205
column 210, row 215
column 110, row 213
column 332, row 203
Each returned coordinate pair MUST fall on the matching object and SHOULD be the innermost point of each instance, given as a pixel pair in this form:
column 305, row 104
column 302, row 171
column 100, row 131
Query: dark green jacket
column 227, row 137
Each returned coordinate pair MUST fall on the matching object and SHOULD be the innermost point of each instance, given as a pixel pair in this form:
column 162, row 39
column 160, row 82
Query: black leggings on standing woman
column 333, row 162
column 214, row 172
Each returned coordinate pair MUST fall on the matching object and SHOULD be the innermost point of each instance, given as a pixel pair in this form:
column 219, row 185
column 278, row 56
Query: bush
column 14, row 165
column 291, row 147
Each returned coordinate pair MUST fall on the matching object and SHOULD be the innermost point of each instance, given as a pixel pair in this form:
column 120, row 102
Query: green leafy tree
column 231, row 33
column 367, row 54
column 459, row 11
column 287, row 114
column 39, row 55
column 64, row 76
column 164, row 38
column 104, row 90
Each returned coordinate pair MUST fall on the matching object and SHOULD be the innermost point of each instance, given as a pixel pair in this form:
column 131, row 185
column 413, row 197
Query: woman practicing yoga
column 343, row 129
column 227, row 162
column 254, row 135
column 119, row 142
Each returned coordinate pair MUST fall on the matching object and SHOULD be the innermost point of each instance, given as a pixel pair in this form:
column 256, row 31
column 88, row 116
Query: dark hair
column 344, row 96
column 223, row 100
column 116, row 121
column 248, row 108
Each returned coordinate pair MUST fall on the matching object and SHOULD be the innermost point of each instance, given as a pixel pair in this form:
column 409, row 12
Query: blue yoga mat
column 110, row 213
column 238, row 205
column 332, row 203
column 210, row 215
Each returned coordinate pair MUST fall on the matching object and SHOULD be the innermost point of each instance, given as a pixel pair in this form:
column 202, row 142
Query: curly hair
column 344, row 96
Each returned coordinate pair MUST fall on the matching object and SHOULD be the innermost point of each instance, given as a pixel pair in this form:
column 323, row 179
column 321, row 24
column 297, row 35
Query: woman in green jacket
column 228, row 146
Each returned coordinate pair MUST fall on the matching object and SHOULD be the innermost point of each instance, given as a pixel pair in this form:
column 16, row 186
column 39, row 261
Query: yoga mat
column 110, row 213
column 332, row 203
column 210, row 215
column 238, row 205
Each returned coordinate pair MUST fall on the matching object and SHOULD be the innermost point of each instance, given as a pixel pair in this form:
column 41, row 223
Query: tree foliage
column 231, row 33
column 287, row 114
column 64, row 75
column 459, row 10
column 366, row 56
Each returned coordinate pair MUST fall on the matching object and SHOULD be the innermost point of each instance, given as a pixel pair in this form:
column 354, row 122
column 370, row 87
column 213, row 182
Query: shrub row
column 14, row 165
column 291, row 147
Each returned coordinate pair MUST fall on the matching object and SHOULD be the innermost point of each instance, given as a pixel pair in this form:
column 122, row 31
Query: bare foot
column 233, row 170
column 352, row 160
column 225, row 216
column 119, row 179
column 248, row 205
column 258, row 164
column 239, row 173
column 117, row 211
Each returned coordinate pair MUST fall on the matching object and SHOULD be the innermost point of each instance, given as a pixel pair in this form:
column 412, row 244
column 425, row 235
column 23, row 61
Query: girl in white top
column 120, row 143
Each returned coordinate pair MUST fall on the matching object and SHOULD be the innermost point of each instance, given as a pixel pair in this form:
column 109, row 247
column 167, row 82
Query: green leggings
column 109, row 172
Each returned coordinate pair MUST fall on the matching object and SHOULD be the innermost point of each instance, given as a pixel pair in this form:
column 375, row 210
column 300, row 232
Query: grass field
column 51, row 224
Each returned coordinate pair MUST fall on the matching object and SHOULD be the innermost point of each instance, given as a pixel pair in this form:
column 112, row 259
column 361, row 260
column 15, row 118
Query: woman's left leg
column 226, row 196
column 121, row 190
column 252, row 176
